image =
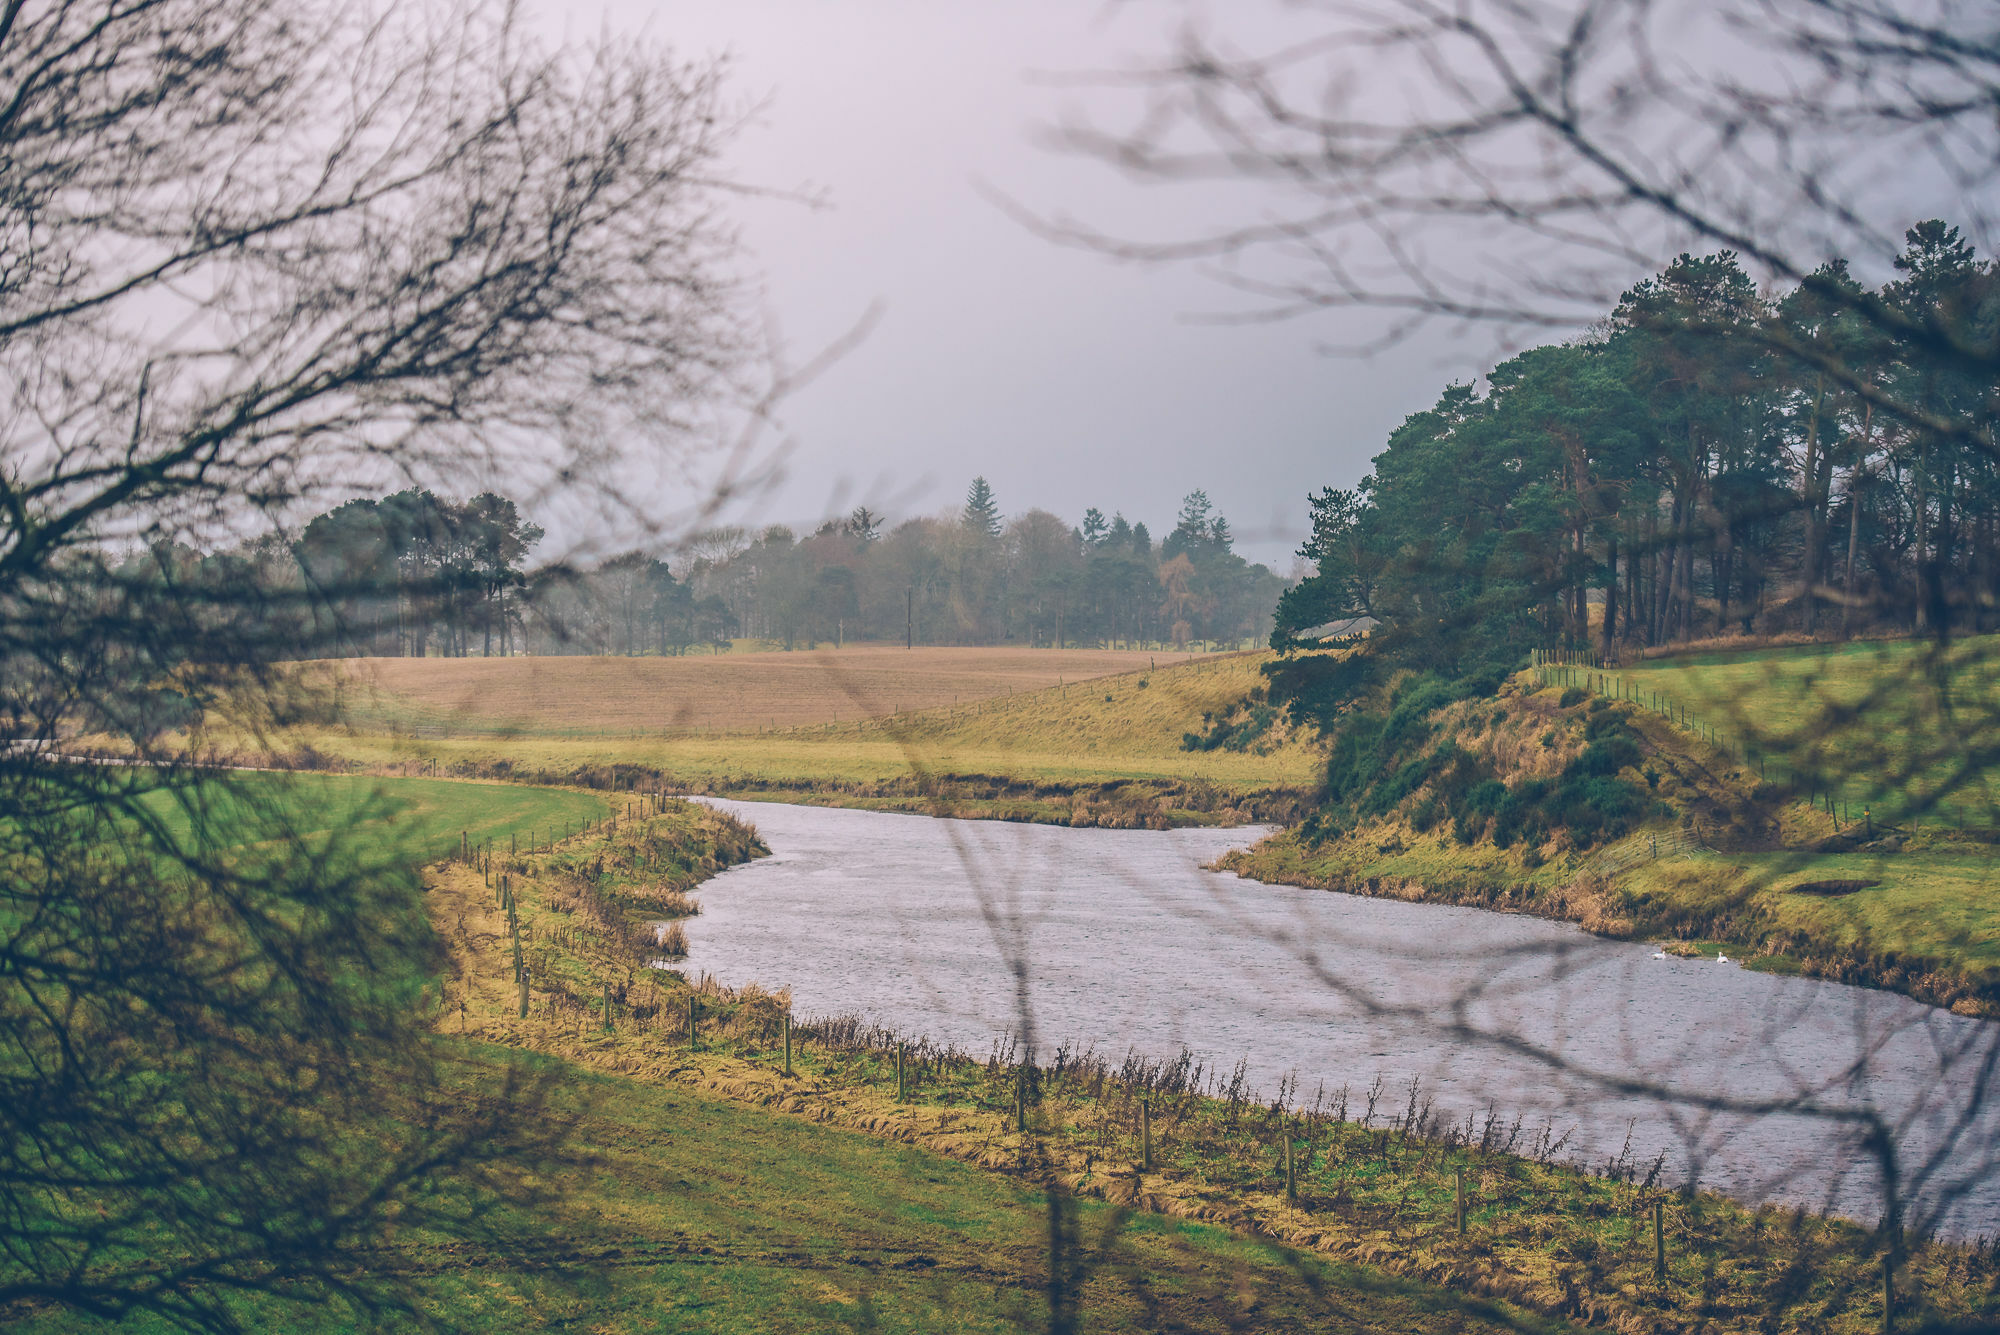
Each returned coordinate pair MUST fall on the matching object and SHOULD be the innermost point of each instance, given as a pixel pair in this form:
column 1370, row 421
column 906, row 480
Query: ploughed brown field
column 711, row 692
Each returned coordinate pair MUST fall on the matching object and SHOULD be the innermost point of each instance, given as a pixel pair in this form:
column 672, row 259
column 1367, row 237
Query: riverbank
column 1196, row 744
column 1374, row 1173
column 902, row 1216
column 1714, row 856
column 1912, row 923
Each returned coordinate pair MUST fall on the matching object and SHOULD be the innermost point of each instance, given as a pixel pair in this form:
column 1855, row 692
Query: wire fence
column 1838, row 795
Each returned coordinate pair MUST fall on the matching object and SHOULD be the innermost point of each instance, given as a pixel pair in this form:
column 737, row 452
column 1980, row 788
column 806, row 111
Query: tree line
column 977, row 577
column 415, row 574
column 1709, row 460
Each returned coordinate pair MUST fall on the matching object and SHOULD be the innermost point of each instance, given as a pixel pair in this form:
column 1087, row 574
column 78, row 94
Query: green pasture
column 380, row 819
column 1902, row 727
column 686, row 1213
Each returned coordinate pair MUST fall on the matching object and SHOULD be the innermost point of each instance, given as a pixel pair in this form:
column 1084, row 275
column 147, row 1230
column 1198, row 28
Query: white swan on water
column 1724, row 959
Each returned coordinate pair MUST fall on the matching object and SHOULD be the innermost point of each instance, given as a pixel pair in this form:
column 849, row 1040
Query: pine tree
column 982, row 514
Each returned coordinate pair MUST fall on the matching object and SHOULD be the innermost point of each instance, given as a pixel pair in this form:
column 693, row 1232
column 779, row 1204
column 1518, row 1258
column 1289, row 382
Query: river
column 1756, row 1085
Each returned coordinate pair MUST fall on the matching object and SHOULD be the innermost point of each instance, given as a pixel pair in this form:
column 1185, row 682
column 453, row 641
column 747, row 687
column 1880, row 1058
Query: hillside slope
column 1566, row 801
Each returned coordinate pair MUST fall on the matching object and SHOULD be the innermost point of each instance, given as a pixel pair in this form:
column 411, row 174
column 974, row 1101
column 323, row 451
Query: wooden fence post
column 788, row 1044
column 1459, row 1212
column 1145, row 1135
column 692, row 1044
column 1291, row 1175
column 1659, row 1243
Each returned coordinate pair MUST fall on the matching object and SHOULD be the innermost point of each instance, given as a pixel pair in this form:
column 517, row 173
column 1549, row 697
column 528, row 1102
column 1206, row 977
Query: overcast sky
column 1066, row 379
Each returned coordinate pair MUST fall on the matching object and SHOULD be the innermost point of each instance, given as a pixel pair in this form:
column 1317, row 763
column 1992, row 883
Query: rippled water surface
column 1122, row 942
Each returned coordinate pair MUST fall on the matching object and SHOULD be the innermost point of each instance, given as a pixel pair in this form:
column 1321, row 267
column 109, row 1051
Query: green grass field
column 690, row 1213
column 1896, row 725
column 405, row 818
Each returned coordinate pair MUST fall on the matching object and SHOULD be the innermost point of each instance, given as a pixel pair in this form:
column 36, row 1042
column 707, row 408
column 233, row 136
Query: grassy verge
column 1375, row 1173
column 1881, row 724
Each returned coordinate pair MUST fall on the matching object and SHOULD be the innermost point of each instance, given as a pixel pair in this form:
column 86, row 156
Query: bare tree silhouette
column 252, row 252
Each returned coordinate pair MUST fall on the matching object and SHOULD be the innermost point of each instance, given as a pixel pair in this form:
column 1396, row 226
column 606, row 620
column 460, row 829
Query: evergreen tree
column 982, row 514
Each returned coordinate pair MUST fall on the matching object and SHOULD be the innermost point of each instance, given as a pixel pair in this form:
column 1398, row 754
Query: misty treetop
column 1709, row 461
column 414, row 573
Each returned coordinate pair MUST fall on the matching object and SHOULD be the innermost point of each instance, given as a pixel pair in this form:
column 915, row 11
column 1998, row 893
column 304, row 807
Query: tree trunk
column 1815, row 504
column 1610, row 592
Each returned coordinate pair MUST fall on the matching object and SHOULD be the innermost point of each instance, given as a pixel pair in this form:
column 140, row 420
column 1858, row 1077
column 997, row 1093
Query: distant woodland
column 415, row 574
column 1711, row 460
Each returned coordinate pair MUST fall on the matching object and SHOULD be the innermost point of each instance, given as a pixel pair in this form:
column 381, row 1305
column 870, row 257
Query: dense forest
column 414, row 573
column 1711, row 460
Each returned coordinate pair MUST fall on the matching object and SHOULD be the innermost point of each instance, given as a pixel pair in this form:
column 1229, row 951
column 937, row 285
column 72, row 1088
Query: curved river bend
column 1756, row 1085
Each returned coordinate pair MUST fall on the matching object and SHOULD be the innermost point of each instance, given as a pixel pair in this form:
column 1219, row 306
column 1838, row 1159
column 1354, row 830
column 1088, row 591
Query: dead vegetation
column 703, row 693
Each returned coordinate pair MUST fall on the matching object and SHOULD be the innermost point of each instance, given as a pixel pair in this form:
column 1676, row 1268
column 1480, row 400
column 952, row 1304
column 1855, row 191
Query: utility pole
column 910, row 618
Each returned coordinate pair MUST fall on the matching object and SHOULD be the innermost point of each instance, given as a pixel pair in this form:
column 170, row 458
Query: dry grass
column 710, row 693
column 1086, row 733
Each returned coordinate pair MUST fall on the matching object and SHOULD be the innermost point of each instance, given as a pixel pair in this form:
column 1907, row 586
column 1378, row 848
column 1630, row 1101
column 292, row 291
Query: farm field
column 704, row 693
column 1110, row 729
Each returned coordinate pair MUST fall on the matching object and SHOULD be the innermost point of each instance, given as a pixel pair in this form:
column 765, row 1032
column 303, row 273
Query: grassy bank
column 1887, row 724
column 680, row 1204
column 1374, row 1171
column 685, row 1211
column 1713, row 850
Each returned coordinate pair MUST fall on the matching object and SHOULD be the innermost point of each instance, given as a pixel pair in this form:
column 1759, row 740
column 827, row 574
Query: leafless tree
column 1519, row 165
column 1512, row 167
column 251, row 250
